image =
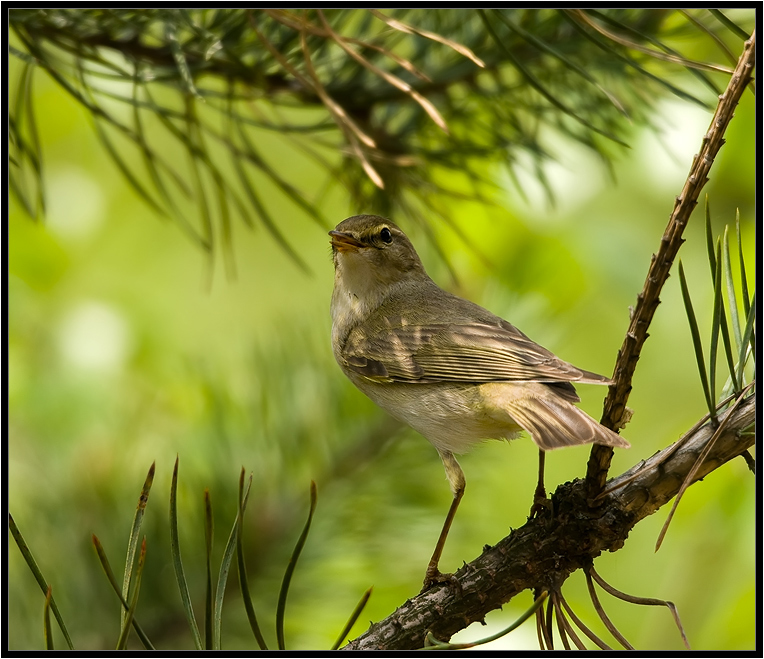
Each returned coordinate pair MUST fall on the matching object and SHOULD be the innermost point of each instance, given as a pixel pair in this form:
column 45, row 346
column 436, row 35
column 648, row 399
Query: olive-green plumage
column 450, row 369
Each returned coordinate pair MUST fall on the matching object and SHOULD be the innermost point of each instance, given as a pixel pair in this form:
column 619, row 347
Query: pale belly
column 453, row 417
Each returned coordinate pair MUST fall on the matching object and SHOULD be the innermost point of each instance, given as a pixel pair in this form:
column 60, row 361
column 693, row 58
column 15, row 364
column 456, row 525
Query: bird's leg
column 540, row 502
column 456, row 479
column 540, row 492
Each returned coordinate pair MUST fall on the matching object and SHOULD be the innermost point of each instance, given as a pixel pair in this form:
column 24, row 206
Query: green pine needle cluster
column 381, row 101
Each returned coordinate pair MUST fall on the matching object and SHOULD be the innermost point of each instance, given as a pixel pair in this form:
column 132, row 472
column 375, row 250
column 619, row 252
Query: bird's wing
column 449, row 352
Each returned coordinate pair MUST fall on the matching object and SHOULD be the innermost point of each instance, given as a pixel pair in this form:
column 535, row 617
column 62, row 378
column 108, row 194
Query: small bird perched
column 450, row 369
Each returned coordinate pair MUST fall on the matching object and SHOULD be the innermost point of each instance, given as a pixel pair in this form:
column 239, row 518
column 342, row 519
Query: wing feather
column 448, row 352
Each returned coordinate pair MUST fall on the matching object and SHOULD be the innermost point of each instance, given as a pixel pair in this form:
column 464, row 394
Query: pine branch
column 544, row 552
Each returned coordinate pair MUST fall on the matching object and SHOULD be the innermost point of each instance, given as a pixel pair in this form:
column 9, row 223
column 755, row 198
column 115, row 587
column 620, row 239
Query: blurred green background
column 128, row 345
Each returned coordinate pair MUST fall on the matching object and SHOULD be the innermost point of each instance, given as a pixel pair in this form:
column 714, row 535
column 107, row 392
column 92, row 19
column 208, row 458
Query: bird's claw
column 540, row 503
column 434, row 576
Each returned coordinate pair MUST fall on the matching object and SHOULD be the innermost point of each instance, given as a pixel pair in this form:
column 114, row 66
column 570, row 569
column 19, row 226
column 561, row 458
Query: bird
column 452, row 370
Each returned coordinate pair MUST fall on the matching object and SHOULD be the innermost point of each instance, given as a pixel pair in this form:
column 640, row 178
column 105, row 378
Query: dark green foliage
column 382, row 102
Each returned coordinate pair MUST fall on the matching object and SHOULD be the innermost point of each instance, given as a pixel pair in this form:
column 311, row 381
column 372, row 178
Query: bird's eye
column 385, row 236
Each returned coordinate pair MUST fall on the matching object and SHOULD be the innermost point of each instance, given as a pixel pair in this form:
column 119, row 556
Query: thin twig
column 660, row 266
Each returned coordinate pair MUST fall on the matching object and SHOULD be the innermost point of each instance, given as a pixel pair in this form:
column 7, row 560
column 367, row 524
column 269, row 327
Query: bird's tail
column 554, row 422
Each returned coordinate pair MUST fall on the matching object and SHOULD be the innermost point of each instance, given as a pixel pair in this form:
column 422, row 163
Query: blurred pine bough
column 384, row 103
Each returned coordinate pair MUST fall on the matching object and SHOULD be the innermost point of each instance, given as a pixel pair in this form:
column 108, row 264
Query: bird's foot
column 434, row 576
column 540, row 503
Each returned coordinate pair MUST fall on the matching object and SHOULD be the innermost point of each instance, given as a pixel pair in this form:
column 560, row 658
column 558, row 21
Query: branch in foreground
column 649, row 299
column 546, row 550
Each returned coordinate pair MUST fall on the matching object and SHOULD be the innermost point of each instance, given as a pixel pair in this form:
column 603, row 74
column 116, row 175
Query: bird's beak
column 344, row 242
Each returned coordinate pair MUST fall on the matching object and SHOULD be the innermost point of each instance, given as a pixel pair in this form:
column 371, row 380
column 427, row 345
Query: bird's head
column 371, row 255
